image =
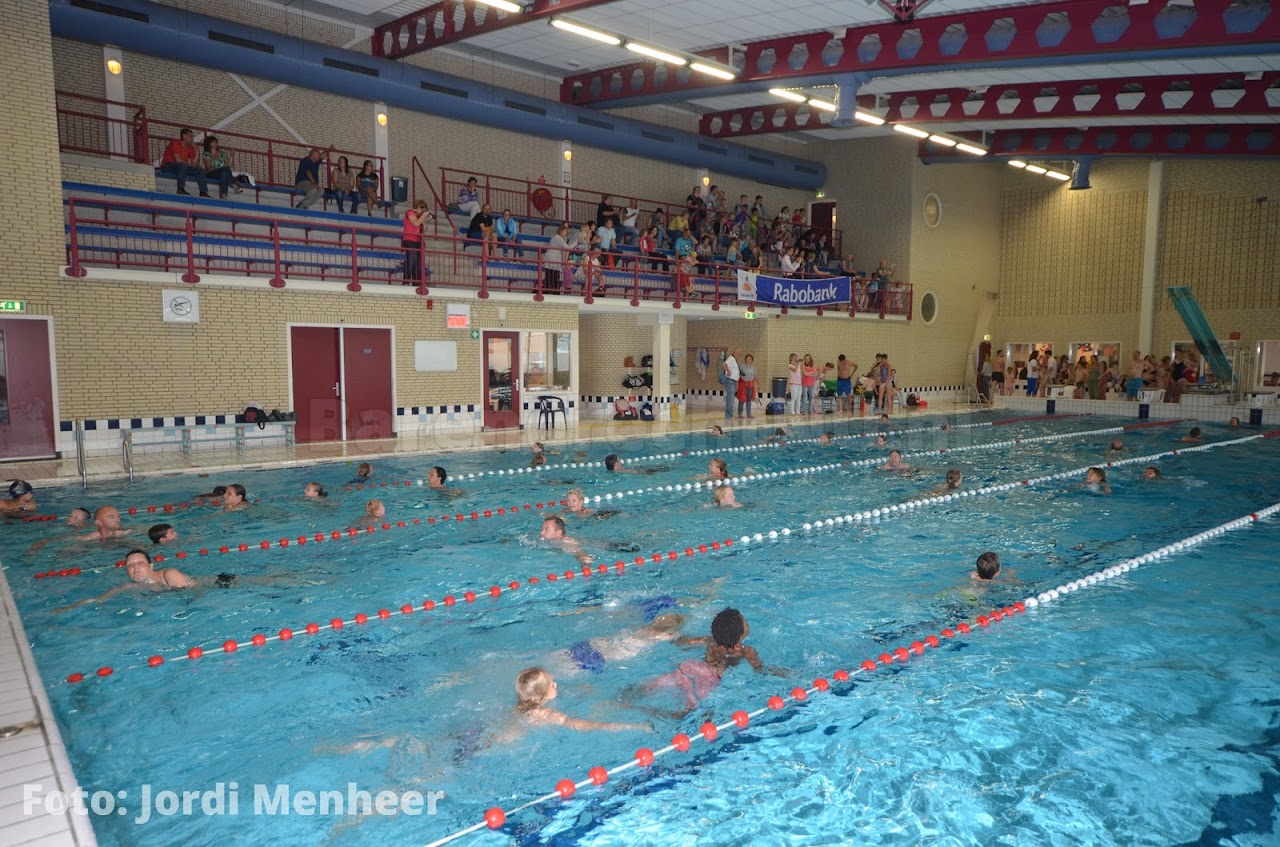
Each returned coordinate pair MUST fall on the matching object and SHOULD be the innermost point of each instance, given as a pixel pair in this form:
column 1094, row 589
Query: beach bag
column 776, row 407
column 253, row 414
column 913, row 401
column 646, row 412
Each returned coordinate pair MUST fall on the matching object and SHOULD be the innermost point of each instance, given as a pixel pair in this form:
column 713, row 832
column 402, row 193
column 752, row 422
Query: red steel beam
column 1043, row 33
column 996, row 104
column 1208, row 140
column 455, row 20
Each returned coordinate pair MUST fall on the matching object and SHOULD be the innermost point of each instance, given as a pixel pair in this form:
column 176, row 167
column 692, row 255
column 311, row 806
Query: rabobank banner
column 782, row 291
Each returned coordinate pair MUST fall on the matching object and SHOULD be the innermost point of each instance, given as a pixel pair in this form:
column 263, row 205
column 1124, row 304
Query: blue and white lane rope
column 496, row 817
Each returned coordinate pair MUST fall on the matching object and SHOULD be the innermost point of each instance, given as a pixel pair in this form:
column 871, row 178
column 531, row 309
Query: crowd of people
column 1092, row 376
column 806, row 383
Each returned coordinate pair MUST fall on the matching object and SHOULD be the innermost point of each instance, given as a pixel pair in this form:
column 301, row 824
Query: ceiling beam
column 456, row 20
column 1038, row 35
column 1123, row 97
column 1251, row 141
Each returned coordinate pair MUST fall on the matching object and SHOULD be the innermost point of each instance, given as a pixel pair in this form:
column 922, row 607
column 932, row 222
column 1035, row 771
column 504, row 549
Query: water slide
column 1201, row 333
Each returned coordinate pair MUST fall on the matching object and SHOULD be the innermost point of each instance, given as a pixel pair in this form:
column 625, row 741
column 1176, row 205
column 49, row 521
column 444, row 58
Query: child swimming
column 535, row 688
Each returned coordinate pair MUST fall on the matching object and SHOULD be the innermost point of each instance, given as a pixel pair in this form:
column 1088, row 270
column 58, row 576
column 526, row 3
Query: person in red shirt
column 182, row 159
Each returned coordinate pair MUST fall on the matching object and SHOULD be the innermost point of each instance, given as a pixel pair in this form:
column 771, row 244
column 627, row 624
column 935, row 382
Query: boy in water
column 162, row 533
column 535, row 688
column 725, row 498
column 1096, row 480
column 987, row 567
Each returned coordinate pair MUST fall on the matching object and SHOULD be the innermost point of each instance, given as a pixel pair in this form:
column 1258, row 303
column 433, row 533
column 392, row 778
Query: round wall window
column 932, row 209
column 928, row 307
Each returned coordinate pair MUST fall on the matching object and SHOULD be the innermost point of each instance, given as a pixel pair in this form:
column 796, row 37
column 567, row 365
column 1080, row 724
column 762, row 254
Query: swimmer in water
column 1234, row 423
column 718, row 469
column 697, row 678
column 593, row 655
column 881, row 441
column 21, row 500
column 826, row 438
column 233, row 499
column 613, row 464
column 715, row 431
column 106, row 520
column 314, row 491
column 1096, row 480
column 725, row 498
column 375, row 512
column 1151, row 472
column 213, row 498
column 79, row 516
column 535, row 688
column 954, row 481
column 142, row 577
column 779, row 436
column 553, row 532
column 987, row 566
column 895, row 462
column 1117, row 446
column 575, row 501
column 162, row 533
column 1192, row 437
column 363, row 472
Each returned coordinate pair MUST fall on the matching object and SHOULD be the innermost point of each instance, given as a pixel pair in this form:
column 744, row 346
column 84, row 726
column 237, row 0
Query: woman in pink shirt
column 411, row 241
column 808, row 380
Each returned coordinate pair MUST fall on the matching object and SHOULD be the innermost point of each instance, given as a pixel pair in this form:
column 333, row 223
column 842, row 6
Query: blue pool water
column 1140, row 711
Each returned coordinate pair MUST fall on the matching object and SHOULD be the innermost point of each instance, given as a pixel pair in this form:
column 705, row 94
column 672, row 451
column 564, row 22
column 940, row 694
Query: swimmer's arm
column 691, row 641
column 753, row 658
column 587, row 726
column 103, row 596
column 175, row 578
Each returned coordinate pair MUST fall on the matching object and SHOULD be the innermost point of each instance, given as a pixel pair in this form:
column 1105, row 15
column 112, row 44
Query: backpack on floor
column 776, row 407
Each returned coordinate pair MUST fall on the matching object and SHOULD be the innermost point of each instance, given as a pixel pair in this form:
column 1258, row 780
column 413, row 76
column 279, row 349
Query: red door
column 317, row 380
column 366, row 356
column 822, row 217
column 26, row 390
column 501, row 380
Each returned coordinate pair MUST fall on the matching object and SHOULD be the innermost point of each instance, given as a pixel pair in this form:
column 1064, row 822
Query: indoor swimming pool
column 1144, row 709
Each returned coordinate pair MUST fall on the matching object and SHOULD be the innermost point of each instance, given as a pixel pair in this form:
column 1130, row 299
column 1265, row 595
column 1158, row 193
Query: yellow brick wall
column 605, row 342
column 870, row 183
column 93, row 171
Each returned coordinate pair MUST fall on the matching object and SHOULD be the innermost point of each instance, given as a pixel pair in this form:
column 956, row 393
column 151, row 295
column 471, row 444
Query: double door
column 342, row 383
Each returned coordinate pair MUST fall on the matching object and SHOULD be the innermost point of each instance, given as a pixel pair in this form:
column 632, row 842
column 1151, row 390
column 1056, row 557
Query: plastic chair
column 548, row 406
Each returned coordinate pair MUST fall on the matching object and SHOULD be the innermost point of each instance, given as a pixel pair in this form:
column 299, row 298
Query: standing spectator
column 686, row 267
column 684, row 244
column 676, row 226
column 411, row 241
column 481, row 229
column 808, row 384
column 793, row 380
column 367, row 181
column 880, row 284
column 733, row 256
column 182, row 159
column 343, row 182
column 217, row 166
column 628, row 232
column 554, row 259
column 658, row 221
column 307, row 180
column 469, row 199
column 605, row 211
column 729, row 377
column 1033, row 375
column 649, row 247
column 507, row 231
column 747, row 385
column 695, row 206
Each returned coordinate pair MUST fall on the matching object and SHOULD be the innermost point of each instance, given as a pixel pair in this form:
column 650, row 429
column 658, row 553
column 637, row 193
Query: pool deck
column 36, row 754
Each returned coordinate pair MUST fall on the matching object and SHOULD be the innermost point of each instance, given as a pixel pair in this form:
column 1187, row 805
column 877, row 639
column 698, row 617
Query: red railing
column 196, row 241
column 84, row 126
column 416, row 170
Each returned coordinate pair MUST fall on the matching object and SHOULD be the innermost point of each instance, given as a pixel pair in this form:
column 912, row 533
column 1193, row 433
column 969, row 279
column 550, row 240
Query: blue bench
column 329, row 195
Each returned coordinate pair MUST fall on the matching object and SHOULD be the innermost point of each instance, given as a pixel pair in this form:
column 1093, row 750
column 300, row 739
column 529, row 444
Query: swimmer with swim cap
column 21, row 498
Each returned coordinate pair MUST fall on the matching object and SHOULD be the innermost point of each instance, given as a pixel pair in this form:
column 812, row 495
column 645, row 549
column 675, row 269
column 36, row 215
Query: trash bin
column 779, row 391
column 399, row 189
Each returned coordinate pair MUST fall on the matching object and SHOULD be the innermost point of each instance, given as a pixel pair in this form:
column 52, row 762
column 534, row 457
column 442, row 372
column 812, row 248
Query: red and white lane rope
column 619, row 568
column 709, row 732
column 491, row 512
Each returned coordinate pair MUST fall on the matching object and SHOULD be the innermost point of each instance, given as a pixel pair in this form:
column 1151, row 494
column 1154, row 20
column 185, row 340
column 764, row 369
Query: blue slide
column 1201, row 333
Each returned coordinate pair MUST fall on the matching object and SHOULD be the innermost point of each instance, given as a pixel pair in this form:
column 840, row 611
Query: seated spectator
column 706, row 254
column 592, row 272
column 628, row 232
column 482, row 229
column 676, row 227
column 217, row 166
column 343, row 182
column 733, row 256
column 506, row 230
column 307, row 180
column 658, row 220
column 182, row 159
column 469, row 199
column 848, row 267
column 684, row 244
column 790, row 262
column 367, row 181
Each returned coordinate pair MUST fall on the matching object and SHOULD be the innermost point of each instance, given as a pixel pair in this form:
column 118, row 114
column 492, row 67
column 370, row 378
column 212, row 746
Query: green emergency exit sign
column 11, row 306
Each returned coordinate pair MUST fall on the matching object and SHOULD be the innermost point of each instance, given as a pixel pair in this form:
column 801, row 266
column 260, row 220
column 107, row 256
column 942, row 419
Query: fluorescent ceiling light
column 1057, row 175
column 910, row 130
column 655, row 53
column 970, row 149
column 787, row 95
column 1036, row 169
column 504, row 5
column 713, row 70
column 868, row 118
column 586, row 32
column 1017, row 164
column 823, row 104
column 943, row 140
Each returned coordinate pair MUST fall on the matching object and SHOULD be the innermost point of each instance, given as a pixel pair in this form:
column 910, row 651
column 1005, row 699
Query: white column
column 1150, row 256
column 380, row 148
column 566, row 176
column 118, row 130
column 662, row 368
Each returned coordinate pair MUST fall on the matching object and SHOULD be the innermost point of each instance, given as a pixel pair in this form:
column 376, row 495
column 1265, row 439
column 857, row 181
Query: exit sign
column 11, row 306
column 750, row 316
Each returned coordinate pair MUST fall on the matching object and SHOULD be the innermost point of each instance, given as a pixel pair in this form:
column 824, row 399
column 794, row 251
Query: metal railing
column 85, row 126
column 126, row 452
column 82, row 465
column 196, row 242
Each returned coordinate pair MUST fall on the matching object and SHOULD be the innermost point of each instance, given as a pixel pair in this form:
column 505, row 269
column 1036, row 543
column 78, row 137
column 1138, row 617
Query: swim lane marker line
column 496, row 816
column 619, row 567
column 335, row 535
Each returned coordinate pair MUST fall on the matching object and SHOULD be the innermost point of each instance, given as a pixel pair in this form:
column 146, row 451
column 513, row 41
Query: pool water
column 1140, row 711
